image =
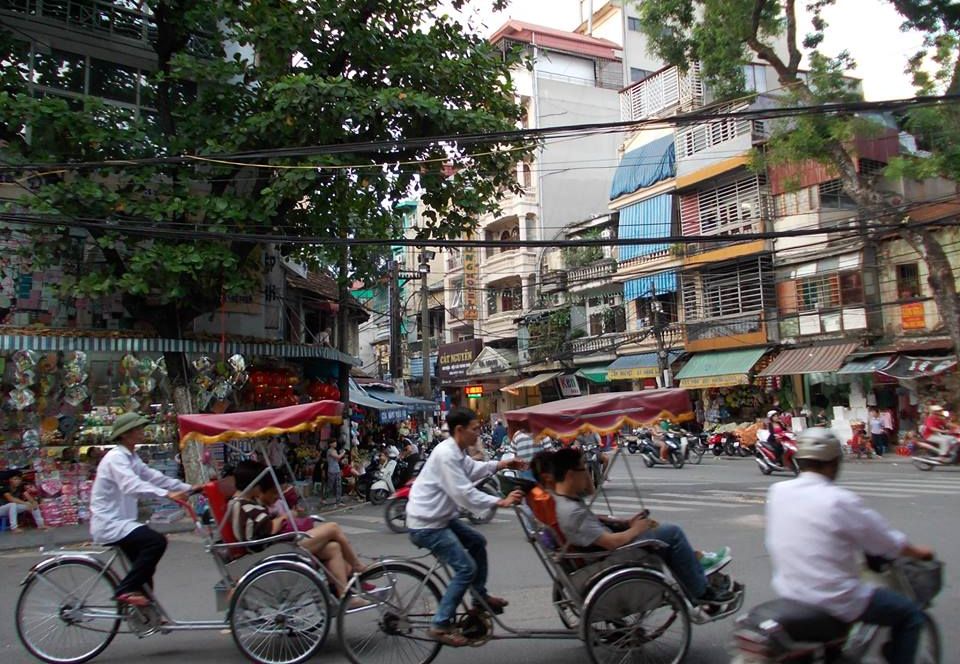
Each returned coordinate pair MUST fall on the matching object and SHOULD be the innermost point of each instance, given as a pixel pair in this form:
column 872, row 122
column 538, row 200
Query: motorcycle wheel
column 647, row 461
column 795, row 467
column 925, row 467
column 676, row 459
column 632, row 449
column 717, row 449
column 744, row 451
column 729, row 449
column 765, row 470
column 379, row 496
column 697, row 450
column 363, row 489
column 396, row 515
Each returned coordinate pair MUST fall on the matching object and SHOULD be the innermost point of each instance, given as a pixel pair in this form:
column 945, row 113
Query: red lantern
column 335, row 393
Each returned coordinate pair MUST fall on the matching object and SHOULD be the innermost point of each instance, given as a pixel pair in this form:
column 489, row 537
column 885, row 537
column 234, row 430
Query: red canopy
column 209, row 429
column 602, row 413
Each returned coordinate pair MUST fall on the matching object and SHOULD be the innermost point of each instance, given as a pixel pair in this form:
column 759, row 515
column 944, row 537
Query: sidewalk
column 52, row 538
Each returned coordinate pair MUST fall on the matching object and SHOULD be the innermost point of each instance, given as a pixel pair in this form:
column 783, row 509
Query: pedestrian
column 878, row 435
column 334, row 476
column 499, row 433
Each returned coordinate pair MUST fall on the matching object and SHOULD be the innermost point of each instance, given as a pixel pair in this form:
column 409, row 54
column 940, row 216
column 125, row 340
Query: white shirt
column 445, row 484
column 817, row 533
column 121, row 477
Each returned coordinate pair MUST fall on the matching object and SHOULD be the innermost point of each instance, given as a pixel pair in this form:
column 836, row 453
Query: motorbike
column 634, row 440
column 676, row 450
column 396, row 509
column 383, row 486
column 932, row 456
column 766, row 456
column 696, row 447
column 591, row 454
column 370, row 475
column 782, row 630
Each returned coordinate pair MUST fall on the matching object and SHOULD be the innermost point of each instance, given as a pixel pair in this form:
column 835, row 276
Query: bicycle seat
column 801, row 622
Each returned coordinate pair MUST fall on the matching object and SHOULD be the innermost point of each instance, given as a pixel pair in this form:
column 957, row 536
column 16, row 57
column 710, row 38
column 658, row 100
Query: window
column 113, row 81
column 755, row 77
column 633, row 24
column 637, row 74
column 833, row 197
column 818, row 292
column 821, row 292
column 60, row 70
column 851, row 288
column 908, row 281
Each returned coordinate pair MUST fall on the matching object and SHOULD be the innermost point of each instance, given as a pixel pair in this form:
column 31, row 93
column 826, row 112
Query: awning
column 644, row 167
column 532, row 381
column 386, row 412
column 219, row 428
column 642, row 365
column 410, row 403
column 814, row 359
column 908, row 367
column 649, row 219
column 50, row 343
column 722, row 368
column 866, row 365
column 597, row 374
column 642, row 287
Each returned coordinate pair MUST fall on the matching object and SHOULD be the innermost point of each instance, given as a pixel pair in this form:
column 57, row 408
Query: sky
column 868, row 29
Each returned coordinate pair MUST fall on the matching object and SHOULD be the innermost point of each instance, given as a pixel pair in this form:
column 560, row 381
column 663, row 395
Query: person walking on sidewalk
column 878, row 434
column 121, row 477
column 334, row 478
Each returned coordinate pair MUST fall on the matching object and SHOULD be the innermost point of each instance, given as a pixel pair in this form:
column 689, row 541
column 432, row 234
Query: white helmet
column 818, row 444
column 771, row 413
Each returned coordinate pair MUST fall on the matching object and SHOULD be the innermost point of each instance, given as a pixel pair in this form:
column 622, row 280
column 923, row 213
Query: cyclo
column 628, row 611
column 278, row 605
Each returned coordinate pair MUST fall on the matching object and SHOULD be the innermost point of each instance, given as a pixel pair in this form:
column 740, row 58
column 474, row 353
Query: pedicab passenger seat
column 218, row 494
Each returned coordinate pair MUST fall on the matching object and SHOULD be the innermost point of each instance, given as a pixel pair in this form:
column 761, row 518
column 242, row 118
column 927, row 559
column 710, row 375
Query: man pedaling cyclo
column 564, row 474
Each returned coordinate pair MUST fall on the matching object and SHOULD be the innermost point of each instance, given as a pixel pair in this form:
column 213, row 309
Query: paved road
column 719, row 502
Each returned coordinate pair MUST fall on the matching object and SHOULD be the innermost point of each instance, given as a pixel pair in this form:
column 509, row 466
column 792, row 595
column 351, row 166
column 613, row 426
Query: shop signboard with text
column 453, row 360
column 471, row 282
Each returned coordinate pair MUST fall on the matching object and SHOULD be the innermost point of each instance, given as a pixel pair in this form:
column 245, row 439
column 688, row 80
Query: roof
column 645, row 166
column 557, row 40
column 814, row 359
column 325, row 286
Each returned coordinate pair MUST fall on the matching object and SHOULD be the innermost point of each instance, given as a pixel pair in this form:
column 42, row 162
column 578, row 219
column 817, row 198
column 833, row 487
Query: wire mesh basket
column 919, row 579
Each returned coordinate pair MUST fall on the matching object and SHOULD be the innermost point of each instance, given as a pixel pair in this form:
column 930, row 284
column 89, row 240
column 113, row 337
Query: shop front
column 488, row 374
column 595, row 379
column 723, row 386
column 638, row 372
column 63, row 393
column 453, row 360
column 535, row 390
column 810, row 381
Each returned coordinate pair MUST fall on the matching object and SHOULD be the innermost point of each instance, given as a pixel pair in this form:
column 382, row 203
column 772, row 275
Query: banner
column 569, row 386
column 471, row 283
column 453, row 360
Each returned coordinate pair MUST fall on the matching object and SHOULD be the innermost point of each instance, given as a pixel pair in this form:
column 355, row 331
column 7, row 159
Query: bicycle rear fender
column 58, row 557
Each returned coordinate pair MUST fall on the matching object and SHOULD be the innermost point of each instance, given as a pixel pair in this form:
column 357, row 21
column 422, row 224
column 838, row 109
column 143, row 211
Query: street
column 718, row 503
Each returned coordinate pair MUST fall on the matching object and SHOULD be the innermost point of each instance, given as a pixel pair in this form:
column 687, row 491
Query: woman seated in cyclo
column 251, row 520
column 564, row 476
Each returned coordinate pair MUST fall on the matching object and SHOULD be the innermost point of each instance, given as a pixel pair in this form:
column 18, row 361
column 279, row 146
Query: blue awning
column 664, row 282
column 644, row 167
column 410, row 403
column 650, row 218
column 416, row 367
column 641, row 365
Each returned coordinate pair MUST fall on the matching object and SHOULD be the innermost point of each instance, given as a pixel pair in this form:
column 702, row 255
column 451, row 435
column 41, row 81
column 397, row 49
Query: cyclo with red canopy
column 624, row 611
column 277, row 604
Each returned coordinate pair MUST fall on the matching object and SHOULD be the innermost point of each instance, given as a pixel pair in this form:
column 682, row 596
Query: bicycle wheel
column 636, row 617
column 928, row 651
column 567, row 609
column 280, row 614
column 393, row 628
column 55, row 607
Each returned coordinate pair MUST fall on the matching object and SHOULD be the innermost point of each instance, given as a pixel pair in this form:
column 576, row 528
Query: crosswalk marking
column 890, row 490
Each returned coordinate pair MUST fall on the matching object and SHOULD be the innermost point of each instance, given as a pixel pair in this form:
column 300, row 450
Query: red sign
column 913, row 316
column 473, row 391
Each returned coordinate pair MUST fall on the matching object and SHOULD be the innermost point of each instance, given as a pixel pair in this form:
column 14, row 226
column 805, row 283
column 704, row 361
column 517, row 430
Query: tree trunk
column 343, row 326
column 940, row 278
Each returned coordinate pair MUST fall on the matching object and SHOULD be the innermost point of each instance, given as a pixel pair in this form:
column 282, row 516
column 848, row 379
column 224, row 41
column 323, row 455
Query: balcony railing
column 417, row 346
column 700, row 330
column 601, row 343
column 665, row 93
column 455, row 261
column 580, row 276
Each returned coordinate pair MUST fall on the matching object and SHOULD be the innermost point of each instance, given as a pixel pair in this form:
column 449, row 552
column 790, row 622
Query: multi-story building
column 574, row 79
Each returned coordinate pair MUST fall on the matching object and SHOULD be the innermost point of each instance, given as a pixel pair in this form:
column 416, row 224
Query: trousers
column 13, row 511
column 905, row 620
column 465, row 551
column 143, row 548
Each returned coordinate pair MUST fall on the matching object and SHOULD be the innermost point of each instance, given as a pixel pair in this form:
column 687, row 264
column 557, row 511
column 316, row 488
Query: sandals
column 134, row 599
column 448, row 637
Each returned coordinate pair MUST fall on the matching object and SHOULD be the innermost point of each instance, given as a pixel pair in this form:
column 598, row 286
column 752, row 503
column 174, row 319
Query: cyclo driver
column 815, row 534
column 121, row 477
column 446, row 484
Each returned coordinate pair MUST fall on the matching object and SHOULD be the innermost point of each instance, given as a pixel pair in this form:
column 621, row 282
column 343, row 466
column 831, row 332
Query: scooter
column 766, row 456
column 634, row 440
column 383, row 487
column 934, row 457
column 396, row 510
column 676, row 450
column 696, row 446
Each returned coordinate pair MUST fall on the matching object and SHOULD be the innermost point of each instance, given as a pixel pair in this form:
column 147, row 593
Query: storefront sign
column 569, row 387
column 913, row 316
column 632, row 373
column 471, row 282
column 908, row 368
column 704, row 382
column 473, row 391
column 493, row 361
column 455, row 359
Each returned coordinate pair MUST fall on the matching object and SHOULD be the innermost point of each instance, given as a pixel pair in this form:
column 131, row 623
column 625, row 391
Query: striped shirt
column 524, row 446
column 250, row 521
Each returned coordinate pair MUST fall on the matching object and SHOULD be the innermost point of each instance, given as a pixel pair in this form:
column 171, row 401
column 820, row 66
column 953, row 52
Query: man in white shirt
column 121, row 477
column 444, row 486
column 816, row 535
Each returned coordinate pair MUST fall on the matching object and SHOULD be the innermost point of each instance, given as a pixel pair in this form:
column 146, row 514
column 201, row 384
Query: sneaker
column 714, row 561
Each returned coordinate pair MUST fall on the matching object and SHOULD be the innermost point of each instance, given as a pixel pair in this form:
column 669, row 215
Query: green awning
column 596, row 374
column 721, row 368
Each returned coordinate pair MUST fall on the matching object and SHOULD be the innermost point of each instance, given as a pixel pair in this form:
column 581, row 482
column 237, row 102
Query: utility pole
column 663, row 365
column 425, row 322
column 396, row 367
column 343, row 325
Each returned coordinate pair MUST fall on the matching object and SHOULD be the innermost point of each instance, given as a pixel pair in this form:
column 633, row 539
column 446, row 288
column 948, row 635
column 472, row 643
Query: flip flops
column 134, row 599
column 448, row 637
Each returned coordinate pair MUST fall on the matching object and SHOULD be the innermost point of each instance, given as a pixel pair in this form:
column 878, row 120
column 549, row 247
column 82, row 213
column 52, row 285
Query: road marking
column 661, row 503
column 364, row 518
column 890, row 490
column 350, row 530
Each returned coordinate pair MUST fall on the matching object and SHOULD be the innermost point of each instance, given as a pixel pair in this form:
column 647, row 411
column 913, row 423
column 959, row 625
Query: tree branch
column 795, row 55
column 765, row 52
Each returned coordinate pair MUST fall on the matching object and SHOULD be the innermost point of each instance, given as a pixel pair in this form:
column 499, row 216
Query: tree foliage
column 271, row 74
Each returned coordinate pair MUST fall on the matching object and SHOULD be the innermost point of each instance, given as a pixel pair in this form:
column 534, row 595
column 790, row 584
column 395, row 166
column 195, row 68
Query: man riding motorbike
column 816, row 532
column 775, row 430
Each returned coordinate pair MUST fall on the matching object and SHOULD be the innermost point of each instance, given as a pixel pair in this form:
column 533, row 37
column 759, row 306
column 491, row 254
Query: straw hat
column 127, row 422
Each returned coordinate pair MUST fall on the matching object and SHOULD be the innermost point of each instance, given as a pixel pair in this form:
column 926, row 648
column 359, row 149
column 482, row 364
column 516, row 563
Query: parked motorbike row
column 682, row 446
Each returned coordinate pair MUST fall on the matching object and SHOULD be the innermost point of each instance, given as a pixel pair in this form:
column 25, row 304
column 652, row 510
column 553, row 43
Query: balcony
column 725, row 332
column 500, row 325
column 455, row 262
column 663, row 94
column 590, row 276
column 518, row 262
column 601, row 344
column 89, row 15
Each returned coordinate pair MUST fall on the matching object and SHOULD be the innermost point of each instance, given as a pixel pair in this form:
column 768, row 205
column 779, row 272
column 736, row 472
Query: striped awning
column 866, row 365
column 50, row 343
column 815, row 359
column 641, row 287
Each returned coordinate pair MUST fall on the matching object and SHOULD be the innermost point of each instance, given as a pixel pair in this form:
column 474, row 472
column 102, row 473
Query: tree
column 724, row 35
column 249, row 77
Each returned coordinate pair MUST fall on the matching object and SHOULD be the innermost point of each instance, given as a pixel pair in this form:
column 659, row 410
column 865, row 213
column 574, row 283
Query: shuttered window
column 731, row 207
